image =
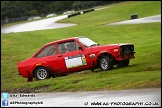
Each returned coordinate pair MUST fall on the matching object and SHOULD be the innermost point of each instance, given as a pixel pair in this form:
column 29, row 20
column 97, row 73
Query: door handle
column 59, row 55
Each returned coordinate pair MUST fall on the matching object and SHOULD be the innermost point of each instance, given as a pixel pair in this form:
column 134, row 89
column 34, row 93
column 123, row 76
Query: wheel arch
column 105, row 54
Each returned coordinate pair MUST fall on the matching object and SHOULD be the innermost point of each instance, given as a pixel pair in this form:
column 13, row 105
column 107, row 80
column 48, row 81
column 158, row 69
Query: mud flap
column 30, row 78
column 93, row 63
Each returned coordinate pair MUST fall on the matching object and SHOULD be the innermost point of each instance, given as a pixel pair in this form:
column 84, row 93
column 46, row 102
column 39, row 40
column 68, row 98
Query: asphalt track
column 150, row 97
column 49, row 23
column 150, row 19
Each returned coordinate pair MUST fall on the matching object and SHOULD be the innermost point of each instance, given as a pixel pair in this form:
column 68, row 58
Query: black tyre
column 105, row 63
column 126, row 62
column 123, row 63
column 53, row 75
column 42, row 73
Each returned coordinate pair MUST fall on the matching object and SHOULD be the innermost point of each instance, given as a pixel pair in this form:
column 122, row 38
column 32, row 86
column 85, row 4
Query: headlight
column 132, row 48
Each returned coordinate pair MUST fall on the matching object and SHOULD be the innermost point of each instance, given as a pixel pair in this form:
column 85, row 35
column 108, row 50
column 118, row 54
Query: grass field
column 143, row 72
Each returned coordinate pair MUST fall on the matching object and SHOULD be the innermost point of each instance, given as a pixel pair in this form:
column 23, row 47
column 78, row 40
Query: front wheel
column 42, row 73
column 105, row 63
column 123, row 63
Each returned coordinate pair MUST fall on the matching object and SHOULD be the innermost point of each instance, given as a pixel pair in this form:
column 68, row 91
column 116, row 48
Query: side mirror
column 80, row 48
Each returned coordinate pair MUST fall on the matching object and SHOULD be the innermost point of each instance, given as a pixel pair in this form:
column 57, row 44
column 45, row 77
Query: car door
column 48, row 57
column 71, row 58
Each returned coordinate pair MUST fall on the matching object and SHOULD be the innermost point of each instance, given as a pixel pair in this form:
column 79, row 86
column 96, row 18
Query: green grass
column 117, row 12
column 143, row 72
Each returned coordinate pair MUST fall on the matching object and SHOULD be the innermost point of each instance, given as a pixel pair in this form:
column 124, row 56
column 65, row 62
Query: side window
column 62, row 48
column 68, row 46
column 49, row 50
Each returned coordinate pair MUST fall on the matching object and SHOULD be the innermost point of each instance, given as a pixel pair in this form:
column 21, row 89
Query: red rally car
column 74, row 55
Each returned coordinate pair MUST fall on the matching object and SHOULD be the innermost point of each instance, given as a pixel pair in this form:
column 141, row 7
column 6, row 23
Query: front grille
column 126, row 49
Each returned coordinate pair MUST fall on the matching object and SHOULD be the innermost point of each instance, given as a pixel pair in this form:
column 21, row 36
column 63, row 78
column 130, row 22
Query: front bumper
column 128, row 56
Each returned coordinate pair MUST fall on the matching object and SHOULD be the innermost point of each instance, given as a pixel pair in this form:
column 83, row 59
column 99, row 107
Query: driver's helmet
column 70, row 46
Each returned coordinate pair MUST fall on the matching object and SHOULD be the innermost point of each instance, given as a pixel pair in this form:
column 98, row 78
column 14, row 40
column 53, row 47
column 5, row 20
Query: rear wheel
column 42, row 73
column 105, row 63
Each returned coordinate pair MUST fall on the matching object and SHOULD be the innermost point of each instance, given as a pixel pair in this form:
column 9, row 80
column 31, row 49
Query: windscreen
column 87, row 42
